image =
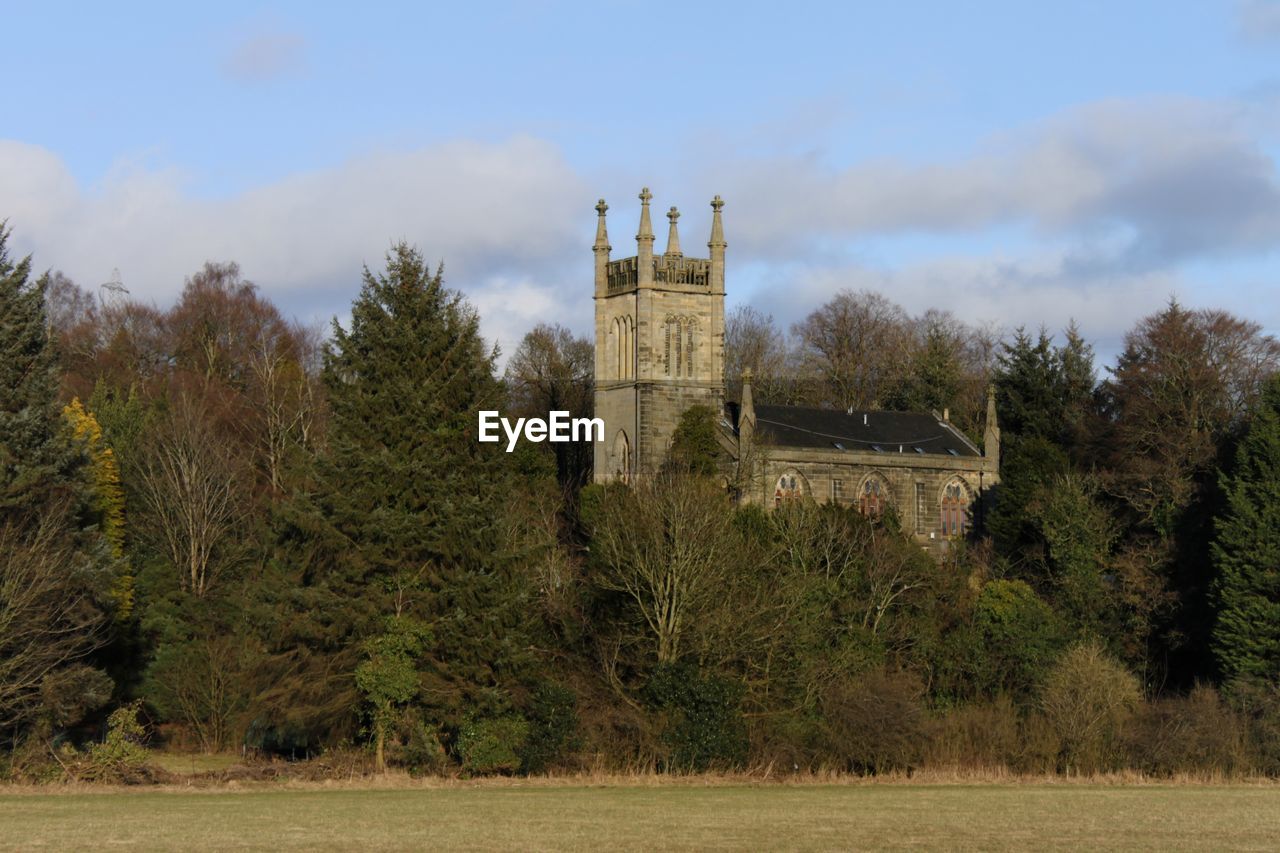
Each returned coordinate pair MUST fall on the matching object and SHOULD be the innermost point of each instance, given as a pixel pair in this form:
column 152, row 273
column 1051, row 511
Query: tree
column 667, row 546
column 856, row 347
column 552, row 370
column 410, row 509
column 695, row 449
column 193, row 491
column 388, row 677
column 752, row 342
column 1087, row 698
column 1246, row 551
column 108, row 498
column 55, row 567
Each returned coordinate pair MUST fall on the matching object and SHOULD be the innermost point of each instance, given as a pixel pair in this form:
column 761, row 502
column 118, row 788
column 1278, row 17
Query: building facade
column 660, row 349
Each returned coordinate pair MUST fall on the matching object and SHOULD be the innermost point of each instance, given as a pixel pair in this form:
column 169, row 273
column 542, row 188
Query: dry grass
column 650, row 812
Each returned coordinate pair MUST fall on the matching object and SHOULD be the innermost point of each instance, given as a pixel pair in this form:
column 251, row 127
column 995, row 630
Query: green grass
column 989, row 817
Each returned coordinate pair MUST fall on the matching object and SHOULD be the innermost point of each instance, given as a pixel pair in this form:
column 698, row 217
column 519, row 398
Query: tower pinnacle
column 646, row 226
column 602, row 235
column 673, row 236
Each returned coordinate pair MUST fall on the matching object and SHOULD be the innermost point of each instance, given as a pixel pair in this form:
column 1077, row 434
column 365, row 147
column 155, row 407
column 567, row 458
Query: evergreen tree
column 37, row 464
column 54, row 565
column 411, row 505
column 1246, row 551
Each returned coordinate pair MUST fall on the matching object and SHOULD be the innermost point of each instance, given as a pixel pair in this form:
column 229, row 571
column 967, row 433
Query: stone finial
column 646, row 226
column 602, row 235
column 717, row 227
column 673, row 236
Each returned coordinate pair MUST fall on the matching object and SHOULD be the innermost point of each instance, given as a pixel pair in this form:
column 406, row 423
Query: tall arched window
column 688, row 346
column 678, row 346
column 955, row 509
column 873, row 496
column 622, row 456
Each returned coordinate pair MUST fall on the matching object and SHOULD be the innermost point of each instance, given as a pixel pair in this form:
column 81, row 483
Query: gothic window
column 677, row 331
column 790, row 487
column 678, row 346
column 920, row 507
column 668, row 329
column 622, row 457
column 837, row 491
column 873, row 497
column 688, row 348
column 955, row 508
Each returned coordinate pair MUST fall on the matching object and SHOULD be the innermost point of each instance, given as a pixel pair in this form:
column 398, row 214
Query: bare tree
column 856, row 346
column 192, row 487
column 667, row 544
column 752, row 341
column 286, row 393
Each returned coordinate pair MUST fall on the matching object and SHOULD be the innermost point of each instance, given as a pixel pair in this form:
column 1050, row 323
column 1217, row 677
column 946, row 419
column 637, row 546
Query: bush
column 1087, row 699
column 1258, row 704
column 492, row 745
column 875, row 724
column 702, row 725
column 1021, row 637
column 1195, row 733
column 987, row 735
column 553, row 723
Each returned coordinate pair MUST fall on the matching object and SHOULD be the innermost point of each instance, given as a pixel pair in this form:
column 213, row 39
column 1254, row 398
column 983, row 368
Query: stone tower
column 659, row 341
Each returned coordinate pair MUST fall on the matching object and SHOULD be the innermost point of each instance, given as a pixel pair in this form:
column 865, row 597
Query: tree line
column 261, row 536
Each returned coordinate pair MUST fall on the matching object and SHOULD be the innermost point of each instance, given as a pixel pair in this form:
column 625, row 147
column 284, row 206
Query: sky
column 1019, row 164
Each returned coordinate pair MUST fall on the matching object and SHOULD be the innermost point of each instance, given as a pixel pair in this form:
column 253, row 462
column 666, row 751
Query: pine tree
column 412, row 504
column 36, row 463
column 54, row 565
column 1246, row 551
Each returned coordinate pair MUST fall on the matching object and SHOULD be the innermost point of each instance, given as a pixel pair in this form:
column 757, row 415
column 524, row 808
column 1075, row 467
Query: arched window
column 622, row 457
column 688, row 346
column 790, row 487
column 873, row 497
column 678, row 346
column 955, row 509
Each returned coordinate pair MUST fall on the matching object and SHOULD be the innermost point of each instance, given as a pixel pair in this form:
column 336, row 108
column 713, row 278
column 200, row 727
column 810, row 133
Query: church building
column 660, row 350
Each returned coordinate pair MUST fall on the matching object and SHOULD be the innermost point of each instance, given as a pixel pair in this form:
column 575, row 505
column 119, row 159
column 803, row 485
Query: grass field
column 989, row 817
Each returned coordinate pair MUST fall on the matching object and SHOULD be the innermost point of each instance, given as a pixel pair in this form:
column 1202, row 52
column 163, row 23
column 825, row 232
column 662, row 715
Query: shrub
column 702, row 725
column 1188, row 734
column 986, row 735
column 1021, row 637
column 1258, row 703
column 553, row 722
column 876, row 723
column 492, row 745
column 1087, row 699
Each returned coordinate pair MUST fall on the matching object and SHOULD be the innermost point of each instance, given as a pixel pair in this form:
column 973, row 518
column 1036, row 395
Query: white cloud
column 1111, row 201
column 494, row 213
column 1178, row 177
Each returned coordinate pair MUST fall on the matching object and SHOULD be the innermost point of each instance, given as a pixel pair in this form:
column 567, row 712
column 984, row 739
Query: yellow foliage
column 108, row 497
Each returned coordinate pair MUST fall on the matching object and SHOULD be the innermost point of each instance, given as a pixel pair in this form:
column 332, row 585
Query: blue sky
column 1016, row 163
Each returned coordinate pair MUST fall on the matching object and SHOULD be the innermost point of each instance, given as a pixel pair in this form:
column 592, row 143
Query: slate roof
column 875, row 431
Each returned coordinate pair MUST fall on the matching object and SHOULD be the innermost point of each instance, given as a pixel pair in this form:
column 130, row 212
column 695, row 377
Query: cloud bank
column 1113, row 202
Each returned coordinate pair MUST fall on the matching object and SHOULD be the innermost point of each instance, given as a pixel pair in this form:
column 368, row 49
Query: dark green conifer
column 1246, row 551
